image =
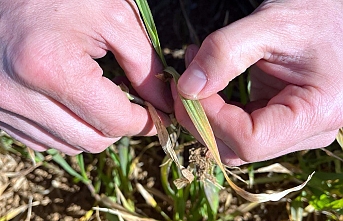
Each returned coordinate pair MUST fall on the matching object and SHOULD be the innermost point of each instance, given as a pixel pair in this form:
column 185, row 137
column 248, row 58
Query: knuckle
column 216, row 44
column 29, row 64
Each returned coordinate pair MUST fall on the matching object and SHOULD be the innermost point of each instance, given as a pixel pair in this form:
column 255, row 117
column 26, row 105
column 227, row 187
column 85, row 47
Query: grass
column 134, row 179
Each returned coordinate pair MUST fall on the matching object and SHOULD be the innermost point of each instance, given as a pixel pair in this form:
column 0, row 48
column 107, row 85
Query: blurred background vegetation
column 133, row 179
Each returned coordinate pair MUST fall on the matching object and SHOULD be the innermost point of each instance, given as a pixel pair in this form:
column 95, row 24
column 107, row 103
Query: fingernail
column 192, row 81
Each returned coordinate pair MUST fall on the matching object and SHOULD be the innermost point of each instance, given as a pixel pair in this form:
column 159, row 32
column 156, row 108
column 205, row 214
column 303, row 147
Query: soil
column 59, row 197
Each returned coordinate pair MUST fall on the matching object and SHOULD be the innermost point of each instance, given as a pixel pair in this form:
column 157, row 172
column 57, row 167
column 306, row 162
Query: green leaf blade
column 150, row 26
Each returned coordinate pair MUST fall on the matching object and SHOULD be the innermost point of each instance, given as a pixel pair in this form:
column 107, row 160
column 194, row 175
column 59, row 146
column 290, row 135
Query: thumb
column 225, row 54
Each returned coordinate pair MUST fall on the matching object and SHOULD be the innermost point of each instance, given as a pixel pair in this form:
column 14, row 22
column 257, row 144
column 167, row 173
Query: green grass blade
column 124, row 155
column 81, row 164
column 56, row 156
column 150, row 26
column 199, row 119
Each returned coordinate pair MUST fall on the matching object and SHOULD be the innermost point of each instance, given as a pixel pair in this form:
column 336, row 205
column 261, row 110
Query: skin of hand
column 295, row 53
column 53, row 94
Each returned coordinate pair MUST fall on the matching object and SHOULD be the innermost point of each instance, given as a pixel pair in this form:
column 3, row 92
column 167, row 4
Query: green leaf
column 150, row 26
column 81, row 164
column 56, row 156
column 212, row 195
column 325, row 202
column 124, row 158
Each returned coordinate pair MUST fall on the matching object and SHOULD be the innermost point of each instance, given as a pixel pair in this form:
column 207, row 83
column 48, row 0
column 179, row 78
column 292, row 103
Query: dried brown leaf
column 166, row 143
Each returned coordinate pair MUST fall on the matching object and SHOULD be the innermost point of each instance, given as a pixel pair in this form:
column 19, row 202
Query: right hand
column 296, row 52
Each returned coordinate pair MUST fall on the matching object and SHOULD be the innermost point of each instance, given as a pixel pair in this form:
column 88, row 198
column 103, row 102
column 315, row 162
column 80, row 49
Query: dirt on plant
column 52, row 194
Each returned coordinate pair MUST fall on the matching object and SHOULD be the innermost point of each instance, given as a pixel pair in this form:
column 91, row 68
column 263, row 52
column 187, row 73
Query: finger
column 64, row 135
column 190, row 53
column 181, row 113
column 228, row 156
column 74, row 79
column 236, row 149
column 41, row 117
column 317, row 141
column 231, row 155
column 184, row 119
column 288, row 120
column 24, row 139
column 64, row 69
column 263, row 86
column 222, row 56
column 35, row 137
column 135, row 54
column 229, row 51
column 49, row 131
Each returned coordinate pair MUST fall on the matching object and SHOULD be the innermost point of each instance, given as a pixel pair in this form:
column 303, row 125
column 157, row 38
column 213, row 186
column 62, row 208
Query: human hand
column 296, row 49
column 53, row 94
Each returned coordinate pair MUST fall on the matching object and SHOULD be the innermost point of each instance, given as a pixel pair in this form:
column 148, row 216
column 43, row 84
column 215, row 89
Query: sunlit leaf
column 146, row 195
column 275, row 168
column 212, row 194
column 32, row 155
column 87, row 216
column 150, row 27
column 325, row 202
column 15, row 212
column 56, row 156
column 339, row 137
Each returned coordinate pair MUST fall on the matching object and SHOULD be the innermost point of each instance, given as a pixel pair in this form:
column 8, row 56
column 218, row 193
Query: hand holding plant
column 53, row 93
column 295, row 48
